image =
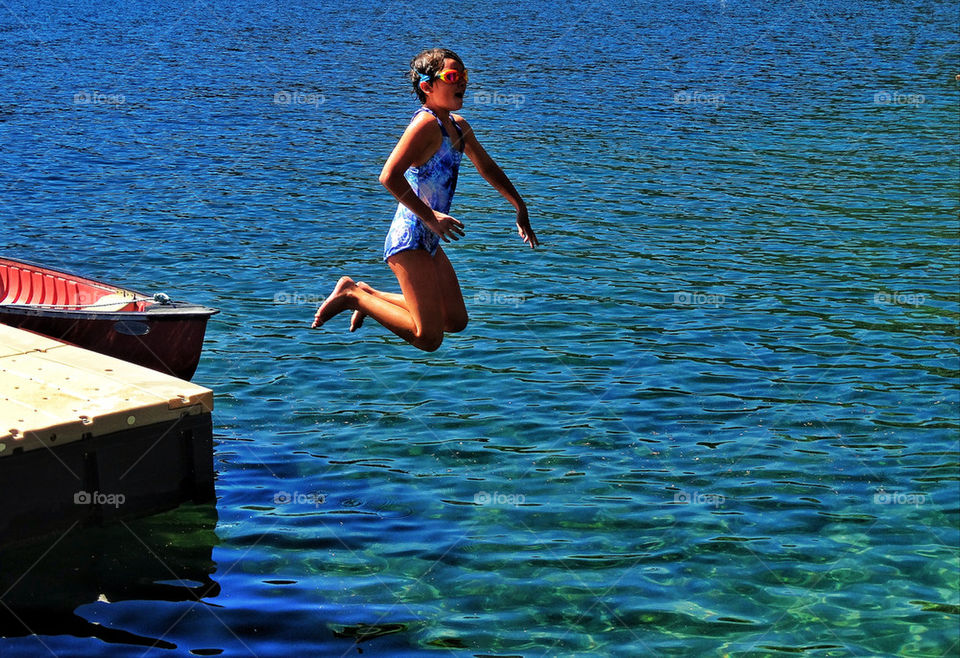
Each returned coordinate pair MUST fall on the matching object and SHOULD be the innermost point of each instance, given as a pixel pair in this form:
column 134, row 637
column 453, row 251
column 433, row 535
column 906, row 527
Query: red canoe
column 151, row 331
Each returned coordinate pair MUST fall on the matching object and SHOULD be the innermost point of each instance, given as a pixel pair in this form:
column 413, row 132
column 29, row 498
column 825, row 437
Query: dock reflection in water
column 165, row 557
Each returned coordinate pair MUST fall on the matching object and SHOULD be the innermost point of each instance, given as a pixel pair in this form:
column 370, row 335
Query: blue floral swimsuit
column 434, row 182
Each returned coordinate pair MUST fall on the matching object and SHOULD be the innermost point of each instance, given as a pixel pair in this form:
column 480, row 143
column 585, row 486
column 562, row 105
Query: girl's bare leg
column 356, row 320
column 454, row 310
column 419, row 322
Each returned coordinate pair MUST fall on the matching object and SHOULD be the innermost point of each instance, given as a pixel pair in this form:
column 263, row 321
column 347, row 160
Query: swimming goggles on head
column 450, row 76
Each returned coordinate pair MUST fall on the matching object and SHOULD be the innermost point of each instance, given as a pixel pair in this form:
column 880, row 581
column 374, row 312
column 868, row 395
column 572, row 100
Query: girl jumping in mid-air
column 422, row 173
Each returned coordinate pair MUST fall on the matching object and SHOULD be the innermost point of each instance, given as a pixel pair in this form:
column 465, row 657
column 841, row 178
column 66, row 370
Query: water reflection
column 165, row 557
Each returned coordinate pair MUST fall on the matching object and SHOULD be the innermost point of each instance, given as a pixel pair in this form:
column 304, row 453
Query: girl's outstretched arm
column 493, row 174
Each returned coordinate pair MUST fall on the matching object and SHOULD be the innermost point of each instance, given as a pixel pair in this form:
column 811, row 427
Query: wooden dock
column 86, row 438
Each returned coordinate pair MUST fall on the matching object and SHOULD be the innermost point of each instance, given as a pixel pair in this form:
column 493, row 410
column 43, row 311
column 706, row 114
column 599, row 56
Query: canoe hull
column 167, row 337
column 170, row 344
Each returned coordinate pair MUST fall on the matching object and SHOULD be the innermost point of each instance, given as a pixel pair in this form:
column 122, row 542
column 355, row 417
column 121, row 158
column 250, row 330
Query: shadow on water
column 165, row 557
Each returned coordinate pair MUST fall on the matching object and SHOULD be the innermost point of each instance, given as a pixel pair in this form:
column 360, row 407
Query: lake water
column 715, row 414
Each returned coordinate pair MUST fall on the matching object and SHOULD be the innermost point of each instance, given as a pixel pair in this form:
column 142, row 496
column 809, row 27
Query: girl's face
column 447, row 95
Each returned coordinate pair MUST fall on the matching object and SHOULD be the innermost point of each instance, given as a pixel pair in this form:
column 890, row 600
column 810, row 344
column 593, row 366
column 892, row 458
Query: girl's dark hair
column 429, row 62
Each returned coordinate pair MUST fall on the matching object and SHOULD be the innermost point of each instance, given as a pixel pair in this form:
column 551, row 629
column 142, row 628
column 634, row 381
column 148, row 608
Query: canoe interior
column 27, row 284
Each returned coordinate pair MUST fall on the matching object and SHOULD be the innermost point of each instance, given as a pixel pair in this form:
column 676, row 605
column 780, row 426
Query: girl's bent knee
column 429, row 344
column 428, row 341
column 456, row 325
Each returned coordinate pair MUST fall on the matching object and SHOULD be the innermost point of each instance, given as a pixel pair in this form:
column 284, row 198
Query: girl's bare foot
column 336, row 303
column 356, row 320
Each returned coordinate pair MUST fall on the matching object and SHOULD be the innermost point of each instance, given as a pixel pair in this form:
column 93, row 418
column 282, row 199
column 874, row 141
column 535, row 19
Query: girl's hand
column 525, row 230
column 447, row 227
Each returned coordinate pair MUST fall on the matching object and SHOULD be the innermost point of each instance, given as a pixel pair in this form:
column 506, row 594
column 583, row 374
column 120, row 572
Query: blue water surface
column 715, row 414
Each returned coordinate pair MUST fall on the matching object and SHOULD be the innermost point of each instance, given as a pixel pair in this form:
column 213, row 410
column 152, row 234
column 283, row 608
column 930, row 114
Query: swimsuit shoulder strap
column 459, row 132
column 439, row 122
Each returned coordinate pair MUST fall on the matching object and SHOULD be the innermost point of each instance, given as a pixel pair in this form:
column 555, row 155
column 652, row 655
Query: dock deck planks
column 80, row 431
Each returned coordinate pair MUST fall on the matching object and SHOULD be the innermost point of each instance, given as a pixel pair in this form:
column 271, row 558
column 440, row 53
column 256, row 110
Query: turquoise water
column 716, row 413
